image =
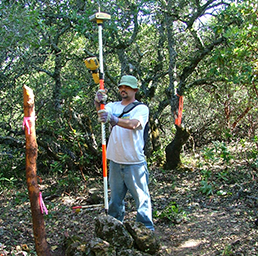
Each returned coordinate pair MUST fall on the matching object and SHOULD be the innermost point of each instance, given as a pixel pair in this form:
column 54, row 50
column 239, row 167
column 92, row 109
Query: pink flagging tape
column 43, row 208
column 26, row 122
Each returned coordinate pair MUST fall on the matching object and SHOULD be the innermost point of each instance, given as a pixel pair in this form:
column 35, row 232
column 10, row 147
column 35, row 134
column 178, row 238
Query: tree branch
column 11, row 142
column 199, row 55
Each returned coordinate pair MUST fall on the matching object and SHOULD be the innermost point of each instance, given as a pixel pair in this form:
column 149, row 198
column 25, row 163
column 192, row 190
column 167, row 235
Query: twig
column 88, row 207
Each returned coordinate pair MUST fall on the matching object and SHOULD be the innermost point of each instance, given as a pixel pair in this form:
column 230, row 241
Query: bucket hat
column 129, row 80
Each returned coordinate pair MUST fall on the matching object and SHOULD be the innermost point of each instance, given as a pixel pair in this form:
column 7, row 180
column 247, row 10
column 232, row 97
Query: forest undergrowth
column 207, row 207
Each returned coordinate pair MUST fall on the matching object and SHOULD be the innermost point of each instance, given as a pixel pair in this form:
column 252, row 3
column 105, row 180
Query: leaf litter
column 187, row 221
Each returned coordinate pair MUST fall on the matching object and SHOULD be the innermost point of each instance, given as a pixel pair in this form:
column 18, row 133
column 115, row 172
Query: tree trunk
column 174, row 148
column 41, row 245
column 155, row 140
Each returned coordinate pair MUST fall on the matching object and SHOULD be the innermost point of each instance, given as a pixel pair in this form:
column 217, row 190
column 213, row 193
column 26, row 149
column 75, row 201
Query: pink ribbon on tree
column 26, row 123
column 43, row 208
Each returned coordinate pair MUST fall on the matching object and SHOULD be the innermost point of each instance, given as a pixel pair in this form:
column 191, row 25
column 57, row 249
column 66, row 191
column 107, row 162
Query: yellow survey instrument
column 92, row 64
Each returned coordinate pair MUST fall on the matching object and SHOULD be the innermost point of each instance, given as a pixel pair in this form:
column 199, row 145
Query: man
column 127, row 167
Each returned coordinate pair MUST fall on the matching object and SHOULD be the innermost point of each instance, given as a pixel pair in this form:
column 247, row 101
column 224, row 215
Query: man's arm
column 131, row 124
column 105, row 116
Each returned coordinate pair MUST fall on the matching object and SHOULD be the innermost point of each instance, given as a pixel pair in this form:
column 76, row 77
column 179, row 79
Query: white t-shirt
column 125, row 146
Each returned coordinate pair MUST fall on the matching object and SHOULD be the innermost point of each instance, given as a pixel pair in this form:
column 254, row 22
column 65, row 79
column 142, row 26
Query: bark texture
column 174, row 148
column 41, row 245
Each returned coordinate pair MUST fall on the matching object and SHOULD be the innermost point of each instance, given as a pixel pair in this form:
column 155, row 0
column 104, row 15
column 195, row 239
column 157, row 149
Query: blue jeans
column 132, row 177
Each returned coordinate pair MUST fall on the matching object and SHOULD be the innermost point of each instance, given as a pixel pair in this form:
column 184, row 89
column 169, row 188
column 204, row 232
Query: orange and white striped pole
column 99, row 18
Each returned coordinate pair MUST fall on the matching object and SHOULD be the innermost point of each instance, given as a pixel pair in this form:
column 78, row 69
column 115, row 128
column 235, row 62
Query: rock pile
column 113, row 238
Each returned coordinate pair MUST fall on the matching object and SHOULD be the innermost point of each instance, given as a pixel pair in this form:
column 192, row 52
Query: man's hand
column 105, row 116
column 101, row 96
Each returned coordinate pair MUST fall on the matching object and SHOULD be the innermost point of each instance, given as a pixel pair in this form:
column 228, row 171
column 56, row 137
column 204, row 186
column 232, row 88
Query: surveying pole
column 99, row 18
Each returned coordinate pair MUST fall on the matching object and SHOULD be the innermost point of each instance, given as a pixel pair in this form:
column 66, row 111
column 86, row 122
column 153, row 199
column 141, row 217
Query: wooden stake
column 41, row 245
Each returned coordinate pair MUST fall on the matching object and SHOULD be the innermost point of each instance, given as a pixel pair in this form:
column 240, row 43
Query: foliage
column 216, row 155
column 206, row 188
column 227, row 251
column 218, row 151
column 171, row 213
column 156, row 157
column 221, row 156
column 170, row 46
column 5, row 182
column 69, row 183
column 228, row 101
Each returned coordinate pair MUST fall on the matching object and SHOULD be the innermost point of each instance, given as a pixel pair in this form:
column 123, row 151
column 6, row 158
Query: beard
column 124, row 95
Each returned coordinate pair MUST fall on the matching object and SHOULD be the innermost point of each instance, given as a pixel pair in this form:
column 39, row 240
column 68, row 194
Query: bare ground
column 187, row 221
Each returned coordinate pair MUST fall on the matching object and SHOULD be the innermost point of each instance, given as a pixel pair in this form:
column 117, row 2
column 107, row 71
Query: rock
column 100, row 247
column 113, row 231
column 129, row 252
column 94, row 197
column 145, row 239
column 114, row 239
column 74, row 246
